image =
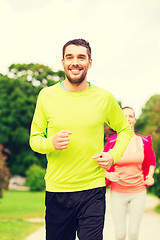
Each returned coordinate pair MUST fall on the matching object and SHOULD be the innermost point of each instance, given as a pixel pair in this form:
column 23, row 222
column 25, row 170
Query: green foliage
column 36, row 74
column 35, row 178
column 149, row 124
column 156, row 188
column 18, row 97
column 17, row 103
column 157, row 209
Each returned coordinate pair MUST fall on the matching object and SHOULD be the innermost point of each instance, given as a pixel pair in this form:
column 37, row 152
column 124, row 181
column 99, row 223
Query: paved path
column 150, row 226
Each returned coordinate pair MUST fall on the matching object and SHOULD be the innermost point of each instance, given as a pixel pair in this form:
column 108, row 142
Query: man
column 68, row 126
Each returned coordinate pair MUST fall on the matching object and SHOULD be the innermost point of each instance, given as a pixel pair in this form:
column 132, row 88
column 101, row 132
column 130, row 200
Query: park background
column 125, row 41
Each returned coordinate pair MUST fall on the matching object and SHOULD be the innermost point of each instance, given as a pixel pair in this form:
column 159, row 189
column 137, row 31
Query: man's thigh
column 60, row 217
column 90, row 215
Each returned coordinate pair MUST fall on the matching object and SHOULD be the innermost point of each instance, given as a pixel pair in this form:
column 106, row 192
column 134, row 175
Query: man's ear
column 62, row 62
column 90, row 63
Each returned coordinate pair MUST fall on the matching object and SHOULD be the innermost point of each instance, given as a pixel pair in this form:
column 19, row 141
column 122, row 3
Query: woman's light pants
column 131, row 203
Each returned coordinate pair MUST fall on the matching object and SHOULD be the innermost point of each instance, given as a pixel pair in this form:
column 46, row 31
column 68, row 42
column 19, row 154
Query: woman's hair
column 78, row 42
column 129, row 108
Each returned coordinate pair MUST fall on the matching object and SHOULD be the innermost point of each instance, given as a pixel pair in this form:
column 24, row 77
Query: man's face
column 76, row 63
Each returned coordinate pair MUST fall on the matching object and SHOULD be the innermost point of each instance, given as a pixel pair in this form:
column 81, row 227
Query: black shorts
column 70, row 212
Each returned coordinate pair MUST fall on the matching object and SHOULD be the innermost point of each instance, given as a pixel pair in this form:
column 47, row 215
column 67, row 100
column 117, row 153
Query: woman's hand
column 112, row 176
column 149, row 180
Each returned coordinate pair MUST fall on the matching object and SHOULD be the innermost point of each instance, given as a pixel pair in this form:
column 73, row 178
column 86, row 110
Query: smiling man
column 68, row 126
column 76, row 63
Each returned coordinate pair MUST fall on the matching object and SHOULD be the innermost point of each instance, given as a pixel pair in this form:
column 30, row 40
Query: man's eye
column 69, row 57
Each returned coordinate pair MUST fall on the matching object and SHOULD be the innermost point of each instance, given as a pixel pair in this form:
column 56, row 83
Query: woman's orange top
column 129, row 168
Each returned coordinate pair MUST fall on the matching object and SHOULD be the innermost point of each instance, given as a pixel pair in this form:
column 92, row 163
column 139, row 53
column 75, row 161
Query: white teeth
column 75, row 70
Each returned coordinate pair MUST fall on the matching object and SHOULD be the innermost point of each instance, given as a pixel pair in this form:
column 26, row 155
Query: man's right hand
column 61, row 139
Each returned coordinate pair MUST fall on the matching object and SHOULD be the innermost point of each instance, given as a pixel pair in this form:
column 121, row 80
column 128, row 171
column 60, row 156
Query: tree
column 18, row 94
column 4, row 171
column 149, row 124
column 17, row 102
column 36, row 74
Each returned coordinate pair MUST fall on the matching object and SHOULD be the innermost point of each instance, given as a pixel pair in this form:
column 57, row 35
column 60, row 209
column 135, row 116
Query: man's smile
column 75, row 70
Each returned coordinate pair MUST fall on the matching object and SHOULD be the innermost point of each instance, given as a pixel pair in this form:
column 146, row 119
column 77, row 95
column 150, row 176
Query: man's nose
column 75, row 61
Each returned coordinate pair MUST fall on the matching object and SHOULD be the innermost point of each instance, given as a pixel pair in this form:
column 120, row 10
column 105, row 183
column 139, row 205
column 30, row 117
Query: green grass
column 17, row 204
column 15, row 208
column 17, row 229
column 157, row 209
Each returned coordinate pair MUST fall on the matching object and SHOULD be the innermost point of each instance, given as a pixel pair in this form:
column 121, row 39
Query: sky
column 124, row 36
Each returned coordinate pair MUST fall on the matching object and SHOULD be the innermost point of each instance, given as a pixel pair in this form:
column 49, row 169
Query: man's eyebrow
column 82, row 55
column 69, row 54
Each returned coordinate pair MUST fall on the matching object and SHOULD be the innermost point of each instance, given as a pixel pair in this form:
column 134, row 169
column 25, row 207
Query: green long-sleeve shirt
column 84, row 114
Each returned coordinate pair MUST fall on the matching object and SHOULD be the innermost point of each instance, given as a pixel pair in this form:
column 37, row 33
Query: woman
column 128, row 178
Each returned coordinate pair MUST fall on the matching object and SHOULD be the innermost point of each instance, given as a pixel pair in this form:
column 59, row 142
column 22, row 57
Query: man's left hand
column 104, row 160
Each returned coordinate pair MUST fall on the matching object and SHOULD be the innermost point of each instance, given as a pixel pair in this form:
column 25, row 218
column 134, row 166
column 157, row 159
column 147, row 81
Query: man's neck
column 75, row 87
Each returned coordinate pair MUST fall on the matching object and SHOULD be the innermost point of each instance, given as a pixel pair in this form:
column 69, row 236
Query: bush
column 35, row 178
column 155, row 189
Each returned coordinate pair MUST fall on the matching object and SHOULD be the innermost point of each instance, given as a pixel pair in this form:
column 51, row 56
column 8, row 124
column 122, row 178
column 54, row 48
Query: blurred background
column 125, row 41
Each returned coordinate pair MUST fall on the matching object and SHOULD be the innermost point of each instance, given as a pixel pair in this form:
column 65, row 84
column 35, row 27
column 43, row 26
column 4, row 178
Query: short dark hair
column 129, row 108
column 78, row 42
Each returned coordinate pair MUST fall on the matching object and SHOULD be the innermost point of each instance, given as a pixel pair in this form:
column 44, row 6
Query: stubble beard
column 76, row 81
